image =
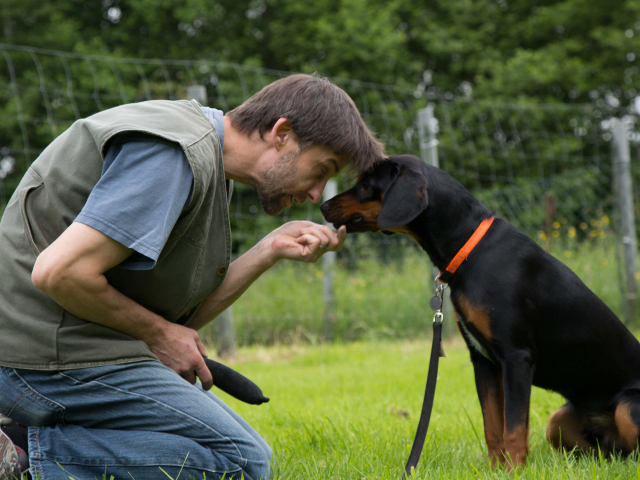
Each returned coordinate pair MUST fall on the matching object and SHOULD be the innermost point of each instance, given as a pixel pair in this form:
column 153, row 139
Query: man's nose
column 315, row 194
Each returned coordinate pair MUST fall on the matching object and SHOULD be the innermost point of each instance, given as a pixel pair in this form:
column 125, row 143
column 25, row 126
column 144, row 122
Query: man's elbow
column 48, row 275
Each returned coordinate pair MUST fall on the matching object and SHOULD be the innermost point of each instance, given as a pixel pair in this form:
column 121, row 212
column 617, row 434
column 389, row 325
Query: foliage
column 548, row 50
column 469, row 56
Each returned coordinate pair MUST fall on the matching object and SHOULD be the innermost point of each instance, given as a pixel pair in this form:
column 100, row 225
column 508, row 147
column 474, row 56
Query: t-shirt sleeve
column 145, row 185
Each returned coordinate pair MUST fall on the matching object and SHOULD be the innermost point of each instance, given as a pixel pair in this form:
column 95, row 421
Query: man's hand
column 303, row 241
column 181, row 349
column 71, row 271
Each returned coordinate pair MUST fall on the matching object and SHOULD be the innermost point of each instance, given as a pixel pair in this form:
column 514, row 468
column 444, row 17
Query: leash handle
column 429, row 394
column 235, row 384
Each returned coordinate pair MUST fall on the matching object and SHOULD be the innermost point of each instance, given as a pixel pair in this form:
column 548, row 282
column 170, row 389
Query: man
column 114, row 251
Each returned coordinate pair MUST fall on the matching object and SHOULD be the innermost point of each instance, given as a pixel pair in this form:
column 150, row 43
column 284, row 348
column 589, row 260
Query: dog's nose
column 325, row 208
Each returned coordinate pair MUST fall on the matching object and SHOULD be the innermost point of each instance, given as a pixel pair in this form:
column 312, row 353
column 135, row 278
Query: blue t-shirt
column 144, row 186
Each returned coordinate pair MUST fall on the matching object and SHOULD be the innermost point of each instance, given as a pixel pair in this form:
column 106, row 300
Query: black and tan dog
column 526, row 318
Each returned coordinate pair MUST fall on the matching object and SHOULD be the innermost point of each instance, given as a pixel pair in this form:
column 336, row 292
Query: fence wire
column 545, row 168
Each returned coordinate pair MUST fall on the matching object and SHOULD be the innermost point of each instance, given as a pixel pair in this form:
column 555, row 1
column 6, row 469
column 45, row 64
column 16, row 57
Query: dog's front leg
column 517, row 374
column 491, row 394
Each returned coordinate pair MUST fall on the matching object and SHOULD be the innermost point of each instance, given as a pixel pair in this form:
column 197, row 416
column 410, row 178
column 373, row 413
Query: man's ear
column 281, row 133
column 404, row 200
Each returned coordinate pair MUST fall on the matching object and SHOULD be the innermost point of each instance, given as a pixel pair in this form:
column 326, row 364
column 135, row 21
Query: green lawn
column 349, row 411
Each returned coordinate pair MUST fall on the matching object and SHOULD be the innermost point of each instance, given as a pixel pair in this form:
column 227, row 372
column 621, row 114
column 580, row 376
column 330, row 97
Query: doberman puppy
column 526, row 318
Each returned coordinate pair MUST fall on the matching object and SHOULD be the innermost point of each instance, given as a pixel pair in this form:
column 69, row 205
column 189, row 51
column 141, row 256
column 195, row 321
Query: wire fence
column 545, row 168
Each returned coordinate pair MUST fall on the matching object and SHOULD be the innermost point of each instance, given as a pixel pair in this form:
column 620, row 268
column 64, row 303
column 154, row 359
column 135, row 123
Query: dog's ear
column 404, row 200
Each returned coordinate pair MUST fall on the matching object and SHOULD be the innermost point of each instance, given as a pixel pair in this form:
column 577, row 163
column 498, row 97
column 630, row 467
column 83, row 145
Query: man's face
column 295, row 176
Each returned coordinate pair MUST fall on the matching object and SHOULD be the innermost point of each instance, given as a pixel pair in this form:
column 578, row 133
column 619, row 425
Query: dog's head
column 387, row 197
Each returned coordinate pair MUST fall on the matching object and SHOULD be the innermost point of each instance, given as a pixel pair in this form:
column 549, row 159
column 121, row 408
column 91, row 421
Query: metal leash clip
column 436, row 301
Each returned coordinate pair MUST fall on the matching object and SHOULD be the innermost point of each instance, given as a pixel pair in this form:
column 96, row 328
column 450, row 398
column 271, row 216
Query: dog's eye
column 364, row 186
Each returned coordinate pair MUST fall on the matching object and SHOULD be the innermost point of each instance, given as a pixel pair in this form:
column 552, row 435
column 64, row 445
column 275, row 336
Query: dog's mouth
column 356, row 223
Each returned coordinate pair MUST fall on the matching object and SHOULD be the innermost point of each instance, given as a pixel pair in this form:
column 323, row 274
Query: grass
column 382, row 300
column 350, row 412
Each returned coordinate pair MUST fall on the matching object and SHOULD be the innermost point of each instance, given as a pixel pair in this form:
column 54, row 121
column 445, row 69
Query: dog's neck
column 453, row 214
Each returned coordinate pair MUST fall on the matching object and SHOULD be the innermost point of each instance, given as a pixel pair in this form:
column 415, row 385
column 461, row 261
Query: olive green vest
column 35, row 332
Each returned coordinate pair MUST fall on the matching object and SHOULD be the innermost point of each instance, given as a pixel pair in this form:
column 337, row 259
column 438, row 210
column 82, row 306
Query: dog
column 526, row 318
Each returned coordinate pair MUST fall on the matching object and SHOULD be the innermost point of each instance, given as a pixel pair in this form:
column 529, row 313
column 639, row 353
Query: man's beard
column 278, row 179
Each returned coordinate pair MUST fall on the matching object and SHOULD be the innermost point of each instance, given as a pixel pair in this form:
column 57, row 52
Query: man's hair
column 320, row 113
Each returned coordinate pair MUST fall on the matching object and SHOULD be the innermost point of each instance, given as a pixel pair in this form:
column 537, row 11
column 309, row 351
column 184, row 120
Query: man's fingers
column 342, row 234
column 336, row 238
column 310, row 248
column 189, row 376
column 201, row 348
column 309, row 240
column 204, row 374
column 324, row 237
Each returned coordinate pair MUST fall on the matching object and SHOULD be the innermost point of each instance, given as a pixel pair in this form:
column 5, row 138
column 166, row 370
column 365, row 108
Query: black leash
column 427, row 405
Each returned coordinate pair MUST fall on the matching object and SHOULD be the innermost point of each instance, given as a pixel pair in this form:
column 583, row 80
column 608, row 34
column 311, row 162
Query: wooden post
column 427, row 131
column 328, row 265
column 226, row 334
column 623, row 191
column 549, row 213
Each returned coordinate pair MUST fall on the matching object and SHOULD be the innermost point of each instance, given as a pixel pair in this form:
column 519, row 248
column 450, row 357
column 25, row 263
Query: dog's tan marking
column 476, row 315
column 369, row 209
column 565, row 430
column 626, row 426
column 413, row 236
column 516, row 446
column 493, row 415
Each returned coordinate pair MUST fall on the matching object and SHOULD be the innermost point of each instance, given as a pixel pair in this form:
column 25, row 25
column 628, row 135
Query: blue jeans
column 131, row 420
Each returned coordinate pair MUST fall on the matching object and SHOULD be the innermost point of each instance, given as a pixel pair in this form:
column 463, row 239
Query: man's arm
column 71, row 271
column 302, row 241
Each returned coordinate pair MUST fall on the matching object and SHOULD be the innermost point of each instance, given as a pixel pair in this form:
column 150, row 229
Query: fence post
column 328, row 264
column 623, row 192
column 427, row 132
column 198, row 93
column 225, row 331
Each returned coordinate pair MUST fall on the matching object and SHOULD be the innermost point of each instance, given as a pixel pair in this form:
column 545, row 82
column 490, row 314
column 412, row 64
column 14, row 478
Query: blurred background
column 532, row 105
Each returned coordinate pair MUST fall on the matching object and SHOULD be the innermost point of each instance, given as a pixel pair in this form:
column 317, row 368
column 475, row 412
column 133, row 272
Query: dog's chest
column 474, row 342
column 474, row 325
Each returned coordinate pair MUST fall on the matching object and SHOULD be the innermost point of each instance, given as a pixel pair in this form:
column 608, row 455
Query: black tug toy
column 236, row 385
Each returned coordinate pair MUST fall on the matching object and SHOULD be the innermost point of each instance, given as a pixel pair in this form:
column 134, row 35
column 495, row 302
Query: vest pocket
column 34, row 183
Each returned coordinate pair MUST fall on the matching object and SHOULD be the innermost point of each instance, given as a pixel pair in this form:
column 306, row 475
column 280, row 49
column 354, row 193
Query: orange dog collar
column 461, row 256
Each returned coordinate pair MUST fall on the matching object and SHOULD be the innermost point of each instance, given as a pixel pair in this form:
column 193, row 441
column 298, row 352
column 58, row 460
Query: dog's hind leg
column 627, row 418
column 565, row 430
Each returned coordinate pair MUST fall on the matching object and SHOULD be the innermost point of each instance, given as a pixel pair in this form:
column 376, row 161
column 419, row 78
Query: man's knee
column 258, row 457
